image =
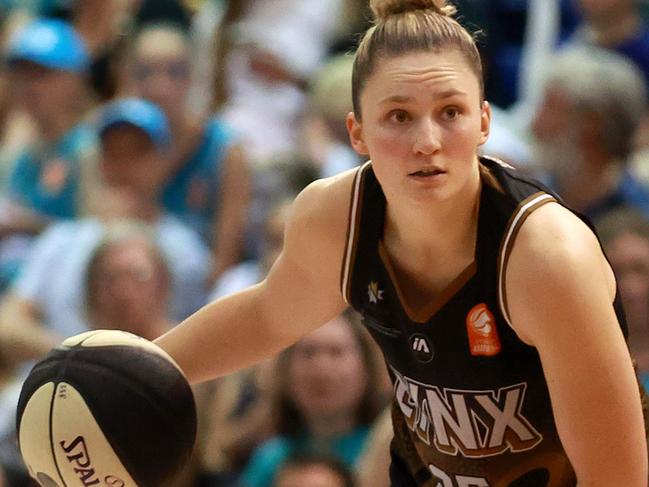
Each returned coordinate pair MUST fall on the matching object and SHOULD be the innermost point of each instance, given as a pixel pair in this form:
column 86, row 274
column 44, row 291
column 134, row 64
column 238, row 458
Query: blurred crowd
column 149, row 151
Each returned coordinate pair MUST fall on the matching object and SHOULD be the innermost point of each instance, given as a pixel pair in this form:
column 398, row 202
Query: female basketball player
column 493, row 303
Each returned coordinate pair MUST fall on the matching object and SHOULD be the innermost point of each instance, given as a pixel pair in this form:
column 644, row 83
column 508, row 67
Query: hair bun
column 385, row 8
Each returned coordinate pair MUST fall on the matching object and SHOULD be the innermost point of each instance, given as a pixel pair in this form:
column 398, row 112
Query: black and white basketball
column 106, row 408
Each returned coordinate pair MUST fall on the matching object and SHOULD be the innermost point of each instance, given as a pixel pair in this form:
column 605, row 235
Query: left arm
column 230, row 220
column 560, row 290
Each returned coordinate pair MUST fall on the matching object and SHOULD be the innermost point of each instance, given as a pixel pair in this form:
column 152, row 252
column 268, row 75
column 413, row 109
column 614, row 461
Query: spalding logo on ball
column 106, row 408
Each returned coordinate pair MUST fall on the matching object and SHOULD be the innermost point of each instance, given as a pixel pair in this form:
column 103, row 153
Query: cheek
column 352, row 375
column 465, row 137
column 386, row 143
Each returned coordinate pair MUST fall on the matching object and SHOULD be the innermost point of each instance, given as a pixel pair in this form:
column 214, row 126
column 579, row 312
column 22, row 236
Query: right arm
column 301, row 292
column 22, row 334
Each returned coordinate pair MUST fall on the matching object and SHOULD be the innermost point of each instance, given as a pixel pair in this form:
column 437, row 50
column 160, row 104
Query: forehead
column 162, row 43
column 629, row 239
column 420, row 71
column 557, row 98
column 336, row 331
column 125, row 134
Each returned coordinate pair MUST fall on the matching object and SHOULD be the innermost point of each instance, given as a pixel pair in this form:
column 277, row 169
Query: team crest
column 375, row 294
column 482, row 331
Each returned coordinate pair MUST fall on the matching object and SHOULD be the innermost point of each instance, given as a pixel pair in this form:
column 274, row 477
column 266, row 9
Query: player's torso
column 471, row 404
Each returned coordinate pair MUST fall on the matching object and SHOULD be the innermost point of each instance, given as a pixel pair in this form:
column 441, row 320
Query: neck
column 142, row 209
column 434, row 229
column 332, row 425
column 147, row 211
column 178, row 123
column 615, row 29
column 185, row 133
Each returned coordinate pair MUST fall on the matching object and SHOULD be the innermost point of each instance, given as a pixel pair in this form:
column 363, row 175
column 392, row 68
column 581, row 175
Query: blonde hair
column 403, row 26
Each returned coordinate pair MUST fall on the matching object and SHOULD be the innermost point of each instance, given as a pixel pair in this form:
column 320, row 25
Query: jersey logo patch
column 422, row 348
column 482, row 331
column 375, row 294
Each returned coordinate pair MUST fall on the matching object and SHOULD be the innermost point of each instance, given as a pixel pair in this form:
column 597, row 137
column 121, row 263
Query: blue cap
column 50, row 43
column 138, row 113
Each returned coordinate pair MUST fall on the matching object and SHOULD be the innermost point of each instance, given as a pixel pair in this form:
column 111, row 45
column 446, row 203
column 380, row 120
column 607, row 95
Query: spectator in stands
column 46, row 303
column 127, row 287
column 313, row 471
column 616, row 25
column 330, row 100
column 327, row 399
column 625, row 237
column 593, row 102
column 209, row 184
column 128, row 282
column 276, row 46
column 251, row 272
column 48, row 62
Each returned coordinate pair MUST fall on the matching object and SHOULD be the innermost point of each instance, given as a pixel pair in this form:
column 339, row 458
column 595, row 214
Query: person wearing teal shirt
column 48, row 63
column 209, row 183
column 270, row 456
column 47, row 180
column 327, row 398
column 191, row 193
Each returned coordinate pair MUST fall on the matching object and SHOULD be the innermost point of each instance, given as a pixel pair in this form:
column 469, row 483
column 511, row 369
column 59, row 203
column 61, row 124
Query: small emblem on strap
column 375, row 294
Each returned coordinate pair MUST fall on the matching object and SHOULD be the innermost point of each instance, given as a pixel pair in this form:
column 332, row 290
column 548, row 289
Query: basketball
column 106, row 408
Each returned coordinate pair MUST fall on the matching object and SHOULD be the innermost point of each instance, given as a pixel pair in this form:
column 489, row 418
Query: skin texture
column 309, row 475
column 423, row 120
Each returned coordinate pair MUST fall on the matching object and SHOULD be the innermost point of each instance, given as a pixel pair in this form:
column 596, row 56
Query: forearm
column 26, row 224
column 22, row 336
column 224, row 336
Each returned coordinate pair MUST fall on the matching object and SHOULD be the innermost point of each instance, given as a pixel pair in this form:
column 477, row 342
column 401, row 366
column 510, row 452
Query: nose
column 427, row 138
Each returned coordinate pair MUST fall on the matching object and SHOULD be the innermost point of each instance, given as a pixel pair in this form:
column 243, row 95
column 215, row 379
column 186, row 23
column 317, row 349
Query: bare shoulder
column 318, row 221
column 556, row 259
column 305, row 278
column 553, row 236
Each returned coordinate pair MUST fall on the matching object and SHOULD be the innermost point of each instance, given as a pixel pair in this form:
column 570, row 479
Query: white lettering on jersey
column 475, row 423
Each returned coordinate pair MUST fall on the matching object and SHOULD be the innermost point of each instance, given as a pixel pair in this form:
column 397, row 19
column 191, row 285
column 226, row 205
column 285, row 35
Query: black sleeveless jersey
column 471, row 405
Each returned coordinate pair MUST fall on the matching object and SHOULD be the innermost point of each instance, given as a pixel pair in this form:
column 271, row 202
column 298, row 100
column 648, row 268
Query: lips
column 427, row 173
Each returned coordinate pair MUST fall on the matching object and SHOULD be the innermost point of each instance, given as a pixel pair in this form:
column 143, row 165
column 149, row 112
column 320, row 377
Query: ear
column 485, row 122
column 355, row 131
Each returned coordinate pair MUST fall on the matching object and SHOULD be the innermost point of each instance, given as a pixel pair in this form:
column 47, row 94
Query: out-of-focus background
column 149, row 151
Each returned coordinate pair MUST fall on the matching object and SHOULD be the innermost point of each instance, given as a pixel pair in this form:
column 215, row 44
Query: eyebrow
column 438, row 96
